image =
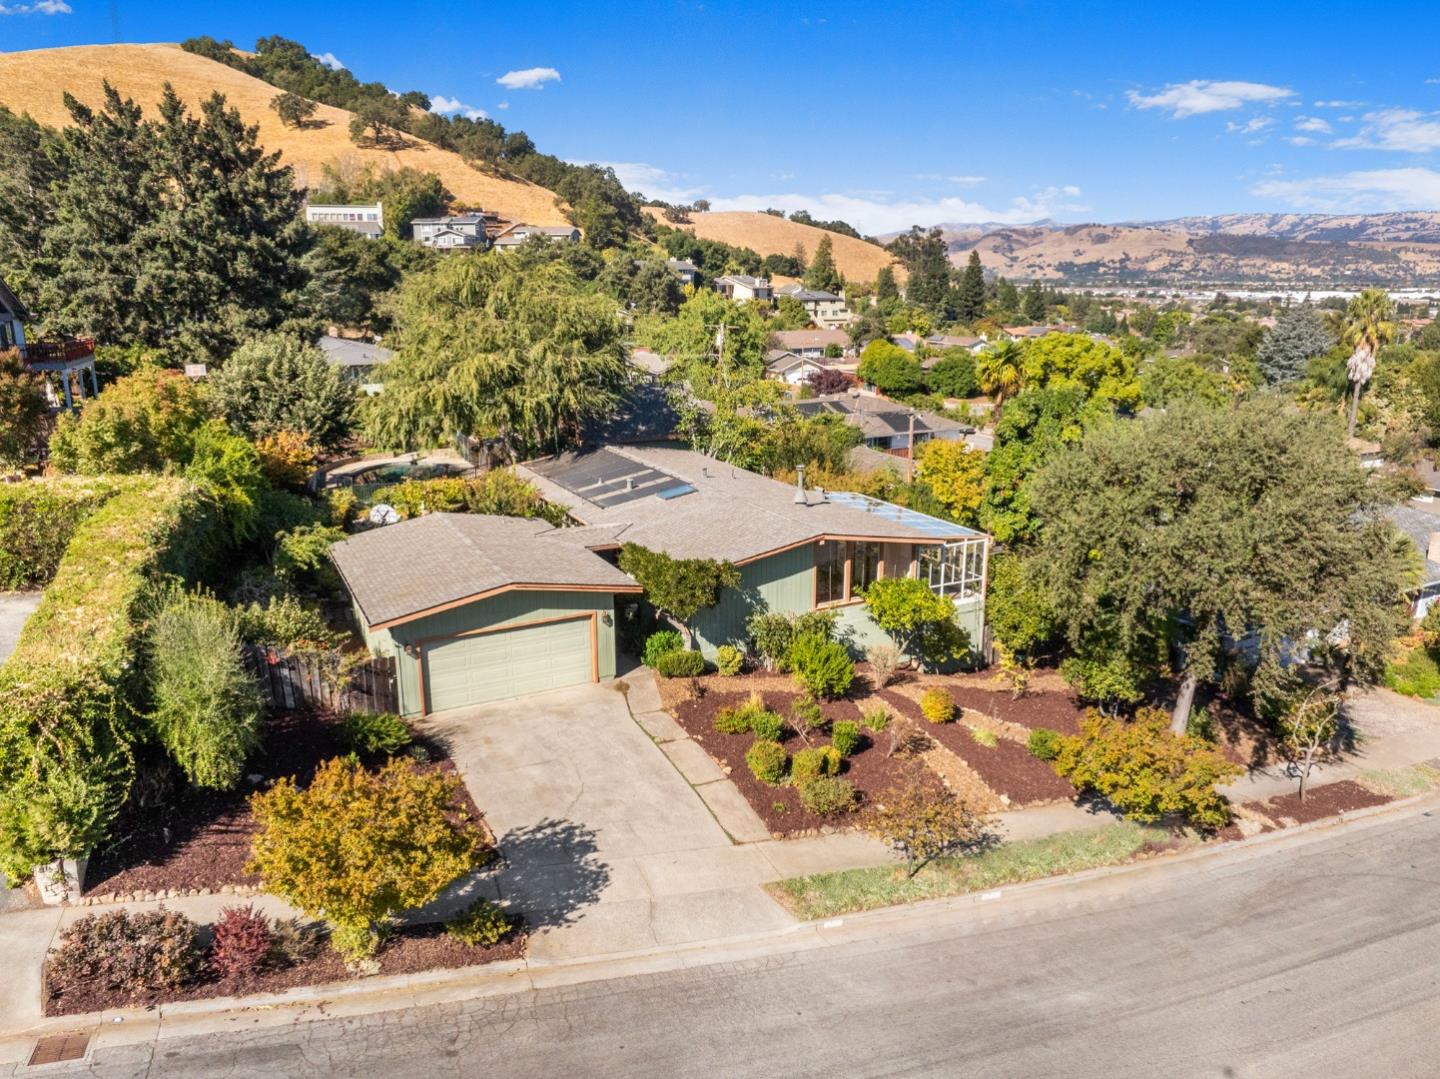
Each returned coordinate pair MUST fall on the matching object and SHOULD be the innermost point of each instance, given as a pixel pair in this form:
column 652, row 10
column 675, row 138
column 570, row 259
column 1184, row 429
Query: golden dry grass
column 34, row 82
column 769, row 235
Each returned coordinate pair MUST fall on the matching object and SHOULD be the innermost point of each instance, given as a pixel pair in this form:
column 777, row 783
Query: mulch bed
column 201, row 839
column 1007, row 768
column 1050, row 709
column 869, row 769
column 1327, row 800
column 411, row 950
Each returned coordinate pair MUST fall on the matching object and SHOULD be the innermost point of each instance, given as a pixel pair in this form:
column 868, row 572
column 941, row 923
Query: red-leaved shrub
column 242, row 941
column 129, row 952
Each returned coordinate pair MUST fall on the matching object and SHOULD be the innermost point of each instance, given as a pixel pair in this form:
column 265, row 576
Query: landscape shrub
column 821, row 665
column 278, row 382
column 773, row 635
column 358, row 846
column 1145, row 771
column 143, row 422
column 936, row 705
column 985, row 737
column 827, row 796
column 302, row 558
column 845, row 736
column 875, row 719
column 661, row 643
column 767, row 726
column 920, row 821
column 243, row 944
column 207, row 708
column 729, row 660
column 283, row 621
column 1416, row 674
column 128, row 952
column 227, row 467
column 814, row 761
column 732, row 720
column 480, row 924
column 685, row 663
column 294, row 941
column 1044, row 744
column 73, row 674
column 884, row 661
column 806, row 716
column 767, row 761
column 37, row 519
column 375, row 733
column 287, row 458
column 921, row 622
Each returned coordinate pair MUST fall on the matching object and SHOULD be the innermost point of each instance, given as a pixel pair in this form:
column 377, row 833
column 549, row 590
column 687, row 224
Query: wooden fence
column 289, row 680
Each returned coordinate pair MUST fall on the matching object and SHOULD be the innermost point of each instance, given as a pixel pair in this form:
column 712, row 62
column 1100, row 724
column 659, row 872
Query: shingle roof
column 798, row 339
column 731, row 514
column 342, row 352
column 402, row 570
column 12, row 303
column 878, row 417
column 806, row 295
column 1419, row 525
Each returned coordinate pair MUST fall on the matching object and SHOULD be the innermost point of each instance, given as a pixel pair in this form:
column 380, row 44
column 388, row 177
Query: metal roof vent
column 800, row 499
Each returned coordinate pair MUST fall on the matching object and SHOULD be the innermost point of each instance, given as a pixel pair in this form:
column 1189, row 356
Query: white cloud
column 1250, row 126
column 1338, row 104
column 443, row 105
column 1313, row 123
column 329, row 59
column 936, row 178
column 503, row 105
column 875, row 216
column 531, row 78
column 40, row 7
column 1396, row 129
column 1198, row 96
column 650, row 180
column 1358, row 192
column 1300, row 140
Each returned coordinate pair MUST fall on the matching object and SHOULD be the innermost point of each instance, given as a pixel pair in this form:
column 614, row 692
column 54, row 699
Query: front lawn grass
column 825, row 895
column 1401, row 782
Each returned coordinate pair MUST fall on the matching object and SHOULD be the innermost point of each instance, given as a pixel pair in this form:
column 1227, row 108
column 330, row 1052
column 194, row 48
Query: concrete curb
column 387, row 993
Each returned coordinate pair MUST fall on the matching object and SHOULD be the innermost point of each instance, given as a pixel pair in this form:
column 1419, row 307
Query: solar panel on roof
column 607, row 478
column 923, row 522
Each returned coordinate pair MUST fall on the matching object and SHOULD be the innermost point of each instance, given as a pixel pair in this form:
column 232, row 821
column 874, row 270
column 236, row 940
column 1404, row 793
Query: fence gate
column 297, row 680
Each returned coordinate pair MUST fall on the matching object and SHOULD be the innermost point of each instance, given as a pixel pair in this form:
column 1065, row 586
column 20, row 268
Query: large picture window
column 865, row 561
column 830, row 573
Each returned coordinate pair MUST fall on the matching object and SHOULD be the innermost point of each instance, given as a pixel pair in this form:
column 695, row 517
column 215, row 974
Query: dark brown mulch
column 409, row 951
column 1006, row 768
column 201, row 839
column 869, row 769
column 1055, row 711
column 1320, row 802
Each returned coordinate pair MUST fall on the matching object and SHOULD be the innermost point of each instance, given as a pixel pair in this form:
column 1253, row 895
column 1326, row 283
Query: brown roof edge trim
column 921, row 541
column 523, row 587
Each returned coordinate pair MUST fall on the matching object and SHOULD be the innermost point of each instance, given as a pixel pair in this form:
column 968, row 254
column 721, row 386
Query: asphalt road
column 1317, row 961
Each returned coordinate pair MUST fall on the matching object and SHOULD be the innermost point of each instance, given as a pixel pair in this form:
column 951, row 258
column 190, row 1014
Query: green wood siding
column 507, row 608
column 784, row 582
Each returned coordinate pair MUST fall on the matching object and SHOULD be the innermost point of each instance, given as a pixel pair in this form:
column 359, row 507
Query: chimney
column 800, row 499
column 1432, row 553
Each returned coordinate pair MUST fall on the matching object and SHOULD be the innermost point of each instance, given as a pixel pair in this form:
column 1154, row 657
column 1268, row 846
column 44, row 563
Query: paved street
column 1311, row 957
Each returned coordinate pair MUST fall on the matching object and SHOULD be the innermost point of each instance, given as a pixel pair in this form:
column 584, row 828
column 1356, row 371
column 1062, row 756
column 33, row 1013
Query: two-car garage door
column 462, row 671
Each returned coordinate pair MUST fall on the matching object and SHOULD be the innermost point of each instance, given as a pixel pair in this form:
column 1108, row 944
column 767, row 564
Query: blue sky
column 887, row 116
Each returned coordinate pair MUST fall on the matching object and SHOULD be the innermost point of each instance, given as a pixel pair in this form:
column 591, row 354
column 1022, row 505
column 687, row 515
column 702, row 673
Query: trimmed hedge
column 37, row 519
column 72, row 694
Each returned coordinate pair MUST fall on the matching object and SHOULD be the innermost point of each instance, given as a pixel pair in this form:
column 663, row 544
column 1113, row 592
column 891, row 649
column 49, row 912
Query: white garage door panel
column 507, row 663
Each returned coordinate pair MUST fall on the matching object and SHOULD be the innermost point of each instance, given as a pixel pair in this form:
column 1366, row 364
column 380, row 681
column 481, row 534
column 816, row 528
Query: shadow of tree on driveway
column 552, row 870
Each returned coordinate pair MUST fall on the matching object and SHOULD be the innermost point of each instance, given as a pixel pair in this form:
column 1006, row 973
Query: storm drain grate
column 54, row 1048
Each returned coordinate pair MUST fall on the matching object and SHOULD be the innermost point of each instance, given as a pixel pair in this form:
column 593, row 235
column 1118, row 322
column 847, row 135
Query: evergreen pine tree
column 885, row 286
column 970, row 296
column 1032, row 306
column 822, row 273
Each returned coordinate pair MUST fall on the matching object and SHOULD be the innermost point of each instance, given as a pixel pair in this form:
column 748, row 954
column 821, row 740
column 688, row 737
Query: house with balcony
column 477, row 608
column 367, row 220
column 742, row 287
column 66, row 364
column 455, row 233
column 826, row 310
column 512, row 236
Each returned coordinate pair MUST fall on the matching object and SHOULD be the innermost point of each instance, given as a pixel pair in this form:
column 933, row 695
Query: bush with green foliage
column 1044, row 744
column 678, row 588
column 729, row 660
column 358, row 846
column 890, row 369
column 772, row 634
column 767, row 726
column 661, row 643
column 22, row 410
column 875, row 720
column 921, row 821
column 1145, row 771
column 767, row 762
column 37, row 519
column 243, row 942
column 481, row 924
column 302, row 558
column 228, row 467
column 815, row 761
column 686, row 663
column 207, row 708
column 130, row 952
column 375, row 733
column 279, row 383
column 953, row 375
column 921, row 622
column 283, row 621
column 821, row 665
column 1415, row 674
column 143, row 422
column 826, row 795
column 845, row 736
column 936, row 705
column 71, row 694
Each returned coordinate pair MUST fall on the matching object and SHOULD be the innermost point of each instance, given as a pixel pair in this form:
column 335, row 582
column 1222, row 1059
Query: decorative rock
column 227, row 889
column 203, row 891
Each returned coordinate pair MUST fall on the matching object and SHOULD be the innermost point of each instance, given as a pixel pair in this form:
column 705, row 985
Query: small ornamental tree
column 279, row 383
column 678, row 588
column 920, row 822
column 921, row 622
column 827, row 380
column 890, row 369
column 141, row 423
column 1146, row 771
column 22, row 410
column 358, row 846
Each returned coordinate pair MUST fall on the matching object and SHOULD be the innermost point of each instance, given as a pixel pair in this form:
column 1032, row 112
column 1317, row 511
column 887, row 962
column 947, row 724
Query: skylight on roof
column 676, row 492
column 921, row 522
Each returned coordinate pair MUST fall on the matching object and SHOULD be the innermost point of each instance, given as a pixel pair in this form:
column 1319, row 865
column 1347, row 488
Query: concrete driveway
column 606, row 846
column 15, row 608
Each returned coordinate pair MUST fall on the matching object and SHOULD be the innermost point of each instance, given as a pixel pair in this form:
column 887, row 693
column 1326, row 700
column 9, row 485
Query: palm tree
column 998, row 371
column 1369, row 325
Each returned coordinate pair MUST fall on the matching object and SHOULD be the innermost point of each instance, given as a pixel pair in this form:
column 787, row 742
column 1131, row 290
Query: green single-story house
column 477, row 608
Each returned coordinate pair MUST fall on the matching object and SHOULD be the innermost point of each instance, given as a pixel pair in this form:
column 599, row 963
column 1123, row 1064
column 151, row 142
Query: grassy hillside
column 34, row 82
column 770, row 235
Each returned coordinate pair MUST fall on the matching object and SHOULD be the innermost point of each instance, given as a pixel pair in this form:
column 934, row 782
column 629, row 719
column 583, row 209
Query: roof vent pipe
column 629, row 483
column 800, row 499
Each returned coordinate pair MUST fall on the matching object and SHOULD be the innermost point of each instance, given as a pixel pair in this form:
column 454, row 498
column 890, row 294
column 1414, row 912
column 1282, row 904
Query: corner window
column 830, row 559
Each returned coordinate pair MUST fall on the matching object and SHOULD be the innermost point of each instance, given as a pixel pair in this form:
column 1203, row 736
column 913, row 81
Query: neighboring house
column 744, row 287
column 884, row 424
column 812, row 343
column 64, row 362
column 1371, row 454
column 948, row 340
column 1423, row 527
column 478, row 608
column 910, row 342
column 451, row 233
column 1024, row 333
column 653, row 364
column 509, row 238
column 825, row 309
column 364, row 219
column 686, row 270
column 358, row 360
column 790, row 368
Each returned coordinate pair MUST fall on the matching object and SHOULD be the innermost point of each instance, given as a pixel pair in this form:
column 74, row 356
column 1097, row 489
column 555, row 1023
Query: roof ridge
column 464, row 537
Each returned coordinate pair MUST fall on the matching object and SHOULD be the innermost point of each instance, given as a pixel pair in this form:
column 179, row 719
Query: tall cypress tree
column 970, row 296
column 1033, row 305
column 822, row 272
